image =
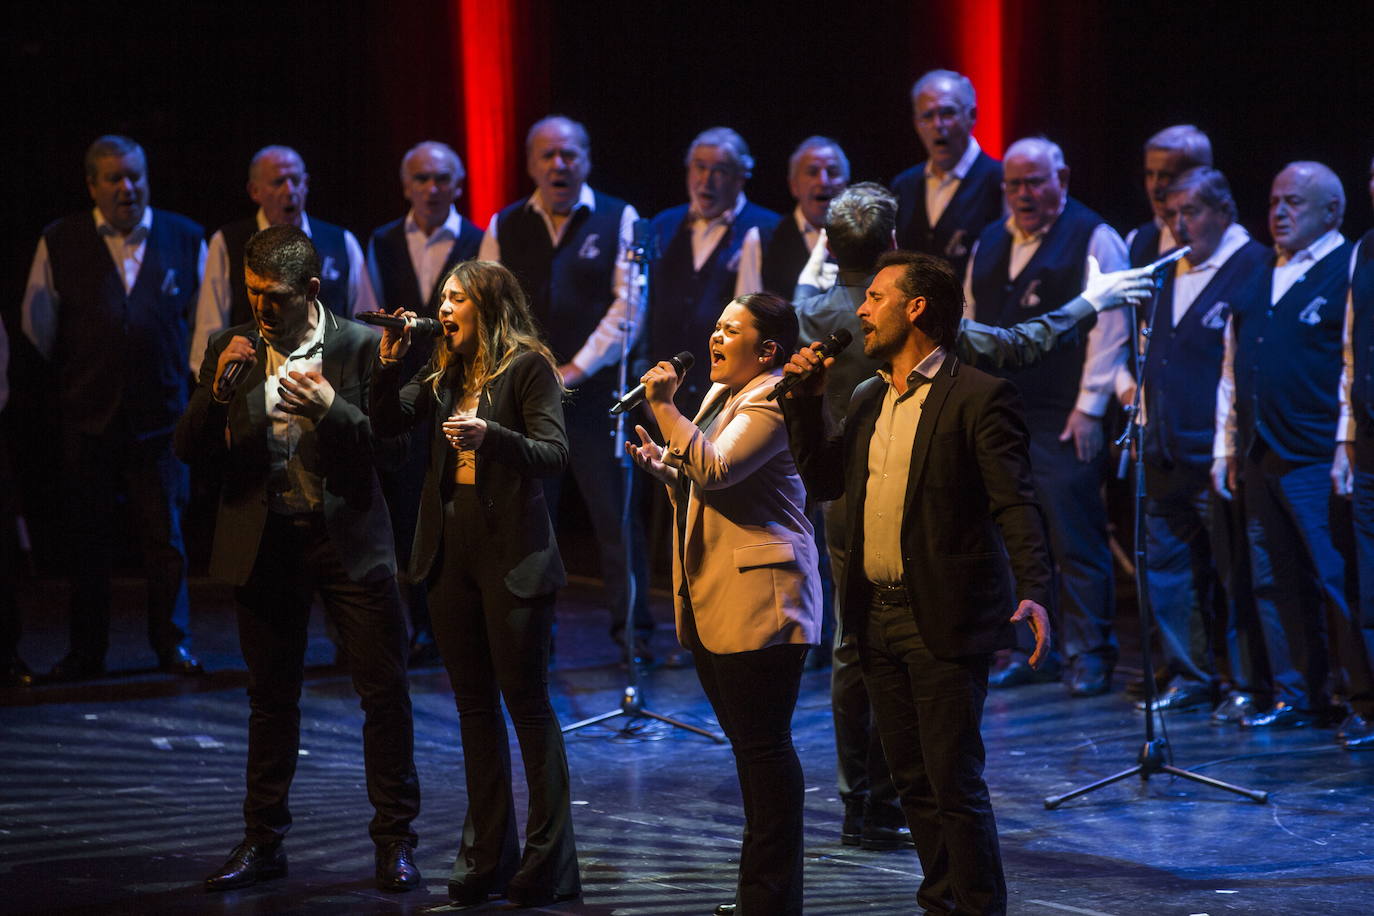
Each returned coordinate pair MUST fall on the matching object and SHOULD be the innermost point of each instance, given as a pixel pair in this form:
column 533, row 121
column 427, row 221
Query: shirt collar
column 1232, row 240
column 314, row 341
column 726, row 218
column 803, row 224
column 961, row 167
column 136, row 235
column 1020, row 238
column 450, row 225
column 1314, row 252
column 585, row 198
column 921, row 373
column 263, row 224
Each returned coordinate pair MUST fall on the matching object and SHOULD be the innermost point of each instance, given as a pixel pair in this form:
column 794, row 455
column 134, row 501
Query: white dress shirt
column 1106, row 351
column 707, row 233
column 942, row 186
column 749, row 279
column 291, row 487
column 39, row 311
column 216, row 300
column 602, row 347
column 1288, row 269
column 429, row 252
column 1166, row 237
column 1345, row 426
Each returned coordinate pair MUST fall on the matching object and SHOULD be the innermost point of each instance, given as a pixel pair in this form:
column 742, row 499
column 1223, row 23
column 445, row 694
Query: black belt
column 889, row 594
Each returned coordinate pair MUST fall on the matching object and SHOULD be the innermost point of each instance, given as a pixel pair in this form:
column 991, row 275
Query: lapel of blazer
column 332, row 355
column 248, row 413
column 438, row 445
column 862, row 419
column 940, row 387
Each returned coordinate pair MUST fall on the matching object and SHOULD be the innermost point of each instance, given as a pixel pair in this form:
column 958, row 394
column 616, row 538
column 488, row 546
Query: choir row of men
column 1258, row 386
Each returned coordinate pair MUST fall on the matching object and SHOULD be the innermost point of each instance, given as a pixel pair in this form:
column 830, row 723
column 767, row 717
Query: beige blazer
column 747, row 561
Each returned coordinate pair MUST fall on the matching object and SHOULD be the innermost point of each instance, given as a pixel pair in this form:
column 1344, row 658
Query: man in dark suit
column 107, row 300
column 944, row 202
column 406, row 259
column 928, row 589
column 301, row 512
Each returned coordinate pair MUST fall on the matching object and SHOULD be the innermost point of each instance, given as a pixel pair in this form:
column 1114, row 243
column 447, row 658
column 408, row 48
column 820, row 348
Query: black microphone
column 682, row 362
column 837, row 342
column 420, row 327
column 230, row 378
column 1177, row 254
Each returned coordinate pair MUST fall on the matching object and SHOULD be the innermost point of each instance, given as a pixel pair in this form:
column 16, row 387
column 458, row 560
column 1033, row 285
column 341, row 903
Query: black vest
column 1288, row 360
column 784, row 257
column 684, row 303
column 1052, row 277
column 976, row 203
column 569, row 285
column 1145, row 244
column 1362, row 344
column 328, row 240
column 123, row 352
column 1184, row 364
column 396, row 285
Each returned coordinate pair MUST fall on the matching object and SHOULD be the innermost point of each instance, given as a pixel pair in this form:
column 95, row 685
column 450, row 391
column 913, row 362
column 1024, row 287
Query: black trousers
column 297, row 559
column 753, row 695
column 929, row 712
column 401, row 487
column 495, row 646
column 97, row 469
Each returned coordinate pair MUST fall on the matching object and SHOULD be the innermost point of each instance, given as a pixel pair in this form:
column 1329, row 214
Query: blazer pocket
column 772, row 553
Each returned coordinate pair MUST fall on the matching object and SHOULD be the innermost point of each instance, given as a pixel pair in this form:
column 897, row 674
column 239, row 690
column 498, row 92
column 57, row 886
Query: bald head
column 277, row 182
column 431, row 179
column 1035, row 181
column 1305, row 202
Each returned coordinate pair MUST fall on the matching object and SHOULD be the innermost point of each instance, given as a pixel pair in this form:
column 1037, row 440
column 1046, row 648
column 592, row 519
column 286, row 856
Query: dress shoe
column 249, row 863
column 1234, row 708
column 725, row 909
column 16, row 674
column 851, row 830
column 396, row 869
column 469, row 893
column 179, row 660
column 75, row 667
column 528, row 898
column 1281, row 716
column 1179, row 697
column 1354, row 726
column 882, row 839
column 637, row 651
column 1018, row 673
column 1090, row 683
column 1135, row 687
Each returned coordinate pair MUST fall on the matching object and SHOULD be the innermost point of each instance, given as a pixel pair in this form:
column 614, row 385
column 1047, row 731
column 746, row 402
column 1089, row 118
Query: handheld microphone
column 1177, row 254
column 420, row 327
column 682, row 362
column 837, row 342
column 230, row 378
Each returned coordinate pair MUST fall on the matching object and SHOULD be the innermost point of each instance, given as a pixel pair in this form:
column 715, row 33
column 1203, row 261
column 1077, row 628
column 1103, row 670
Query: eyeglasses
column 1033, row 183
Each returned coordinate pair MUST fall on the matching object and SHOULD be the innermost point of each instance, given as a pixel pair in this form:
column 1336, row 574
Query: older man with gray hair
column 1168, row 154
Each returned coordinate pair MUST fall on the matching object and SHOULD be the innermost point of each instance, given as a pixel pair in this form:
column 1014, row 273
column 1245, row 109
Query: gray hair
column 443, row 149
column 1210, row 186
column 859, row 224
column 814, row 143
column 1037, row 146
column 578, row 131
column 1322, row 178
column 1185, row 139
column 728, row 140
column 274, row 150
column 111, row 145
column 962, row 85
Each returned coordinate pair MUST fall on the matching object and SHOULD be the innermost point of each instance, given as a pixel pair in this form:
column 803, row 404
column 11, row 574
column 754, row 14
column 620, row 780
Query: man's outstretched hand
column 1039, row 620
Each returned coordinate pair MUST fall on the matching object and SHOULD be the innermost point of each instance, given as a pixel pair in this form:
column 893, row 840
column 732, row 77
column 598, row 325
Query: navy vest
column 1288, row 360
column 396, row 285
column 1362, row 342
column 684, row 303
column 1145, row 244
column 1052, row 277
column 1184, row 364
column 328, row 240
column 117, row 351
column 569, row 286
column 976, row 203
column 784, row 257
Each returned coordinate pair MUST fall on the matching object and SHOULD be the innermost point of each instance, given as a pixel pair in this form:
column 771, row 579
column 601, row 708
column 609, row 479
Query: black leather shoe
column 179, row 660
column 1179, row 697
column 851, row 831
column 396, row 869
column 1135, row 687
column 16, row 674
column 75, row 667
column 1019, row 673
column 725, row 909
column 881, row 839
column 1090, row 684
column 1356, row 733
column 1281, row 716
column 1234, row 708
column 249, row 863
column 469, row 893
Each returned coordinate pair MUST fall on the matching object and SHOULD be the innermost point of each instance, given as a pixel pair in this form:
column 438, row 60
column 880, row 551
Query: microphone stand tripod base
column 632, row 705
column 1151, row 759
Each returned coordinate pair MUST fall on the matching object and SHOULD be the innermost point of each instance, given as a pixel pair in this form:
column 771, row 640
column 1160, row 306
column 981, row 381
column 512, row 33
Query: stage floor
column 121, row 794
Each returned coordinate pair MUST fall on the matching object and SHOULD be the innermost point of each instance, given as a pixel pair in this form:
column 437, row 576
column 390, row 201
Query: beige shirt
column 889, row 467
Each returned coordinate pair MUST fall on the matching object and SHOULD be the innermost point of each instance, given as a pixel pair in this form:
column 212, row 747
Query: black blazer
column 970, row 506
column 341, row 450
column 525, row 440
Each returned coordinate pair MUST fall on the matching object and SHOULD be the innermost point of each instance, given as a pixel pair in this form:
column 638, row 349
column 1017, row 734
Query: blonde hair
column 505, row 328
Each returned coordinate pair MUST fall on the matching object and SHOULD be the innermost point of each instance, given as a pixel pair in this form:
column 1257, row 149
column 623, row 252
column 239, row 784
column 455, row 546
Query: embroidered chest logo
column 1031, row 297
column 957, row 247
column 1215, row 319
column 169, row 283
column 330, row 270
column 1312, row 312
column 590, row 250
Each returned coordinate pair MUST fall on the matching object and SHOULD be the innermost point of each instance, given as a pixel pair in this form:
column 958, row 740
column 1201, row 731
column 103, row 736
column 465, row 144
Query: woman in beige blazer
column 748, row 598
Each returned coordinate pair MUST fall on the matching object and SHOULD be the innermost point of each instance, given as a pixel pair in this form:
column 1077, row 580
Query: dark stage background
column 353, row 84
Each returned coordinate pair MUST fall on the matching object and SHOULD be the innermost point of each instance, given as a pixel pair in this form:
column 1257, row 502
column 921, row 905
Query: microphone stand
column 1155, row 755
column 636, row 294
